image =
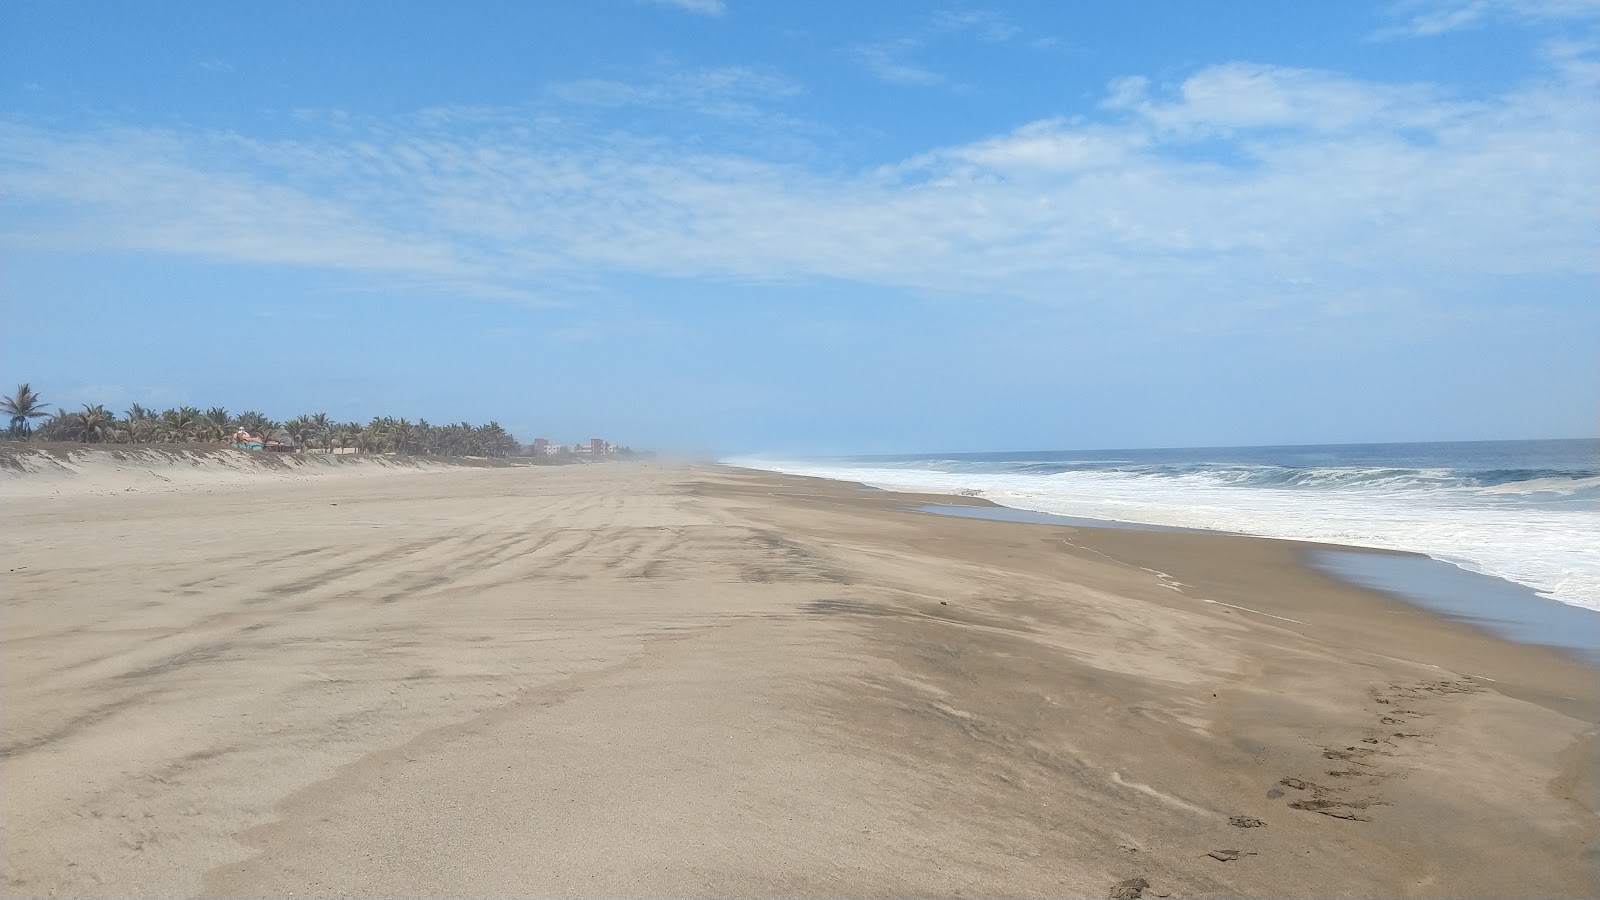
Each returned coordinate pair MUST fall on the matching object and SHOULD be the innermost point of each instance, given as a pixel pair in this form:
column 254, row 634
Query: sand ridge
column 56, row 470
column 670, row 680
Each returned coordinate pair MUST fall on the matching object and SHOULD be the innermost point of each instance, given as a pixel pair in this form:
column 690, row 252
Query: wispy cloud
column 699, row 7
column 1243, row 96
column 895, row 59
column 983, row 24
column 1243, row 185
column 732, row 92
column 888, row 60
column 1427, row 18
column 196, row 201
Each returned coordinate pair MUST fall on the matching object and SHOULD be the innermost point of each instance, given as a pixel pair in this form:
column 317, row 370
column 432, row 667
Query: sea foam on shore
column 1525, row 511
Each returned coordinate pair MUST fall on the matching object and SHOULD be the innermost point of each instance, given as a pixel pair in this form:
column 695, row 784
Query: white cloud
column 1244, row 186
column 1051, row 145
column 893, row 59
column 148, row 191
column 700, row 7
column 1427, row 18
column 731, row 92
column 1244, row 96
column 986, row 25
column 886, row 60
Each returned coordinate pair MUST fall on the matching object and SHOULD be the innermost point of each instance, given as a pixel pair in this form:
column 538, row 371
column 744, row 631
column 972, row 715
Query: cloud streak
column 698, row 7
column 731, row 92
column 1242, row 186
column 1430, row 18
column 892, row 60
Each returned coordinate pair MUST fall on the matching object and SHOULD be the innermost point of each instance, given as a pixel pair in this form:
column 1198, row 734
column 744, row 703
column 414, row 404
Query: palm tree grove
column 29, row 419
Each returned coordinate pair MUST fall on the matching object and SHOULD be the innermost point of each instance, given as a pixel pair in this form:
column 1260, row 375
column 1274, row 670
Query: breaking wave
column 1526, row 511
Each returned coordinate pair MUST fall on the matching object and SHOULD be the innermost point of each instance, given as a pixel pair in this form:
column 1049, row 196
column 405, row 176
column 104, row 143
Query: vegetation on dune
column 187, row 424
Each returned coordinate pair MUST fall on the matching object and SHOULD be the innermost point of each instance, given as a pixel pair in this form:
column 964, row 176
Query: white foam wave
column 1549, row 549
column 1565, row 486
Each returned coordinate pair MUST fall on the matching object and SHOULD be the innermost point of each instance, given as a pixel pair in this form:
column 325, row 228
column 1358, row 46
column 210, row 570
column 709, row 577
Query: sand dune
column 54, row 469
column 657, row 680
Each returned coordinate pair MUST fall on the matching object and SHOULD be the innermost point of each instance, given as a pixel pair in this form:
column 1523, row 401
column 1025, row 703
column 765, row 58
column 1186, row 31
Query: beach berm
column 651, row 679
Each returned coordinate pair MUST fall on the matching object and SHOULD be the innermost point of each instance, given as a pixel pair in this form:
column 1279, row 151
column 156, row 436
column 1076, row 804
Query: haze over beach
column 1122, row 450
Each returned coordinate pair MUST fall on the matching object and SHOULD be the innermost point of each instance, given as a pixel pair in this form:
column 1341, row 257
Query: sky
column 730, row 226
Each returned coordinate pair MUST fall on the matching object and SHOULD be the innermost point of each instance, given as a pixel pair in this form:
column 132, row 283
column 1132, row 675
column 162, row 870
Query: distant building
column 597, row 446
column 541, row 447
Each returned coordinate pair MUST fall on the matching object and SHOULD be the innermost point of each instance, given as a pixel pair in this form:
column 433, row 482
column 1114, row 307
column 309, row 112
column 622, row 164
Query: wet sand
column 672, row 680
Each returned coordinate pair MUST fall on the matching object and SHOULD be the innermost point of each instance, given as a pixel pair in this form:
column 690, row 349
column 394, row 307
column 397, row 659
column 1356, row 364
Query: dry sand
column 667, row 680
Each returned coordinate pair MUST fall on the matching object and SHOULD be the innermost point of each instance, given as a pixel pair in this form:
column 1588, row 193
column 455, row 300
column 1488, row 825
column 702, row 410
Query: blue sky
column 814, row 227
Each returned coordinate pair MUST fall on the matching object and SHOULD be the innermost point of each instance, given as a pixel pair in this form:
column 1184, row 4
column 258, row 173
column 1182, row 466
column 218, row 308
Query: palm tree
column 324, row 427
column 180, row 425
column 383, row 434
column 139, row 425
column 371, row 439
column 427, row 438
column 347, row 434
column 255, row 423
column 494, row 440
column 403, row 436
column 468, row 441
column 454, row 440
column 215, row 424
column 23, row 407
column 135, row 426
column 302, row 430
column 54, row 427
column 92, row 426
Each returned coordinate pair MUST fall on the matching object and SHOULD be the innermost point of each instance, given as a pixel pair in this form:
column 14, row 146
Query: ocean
column 1524, row 511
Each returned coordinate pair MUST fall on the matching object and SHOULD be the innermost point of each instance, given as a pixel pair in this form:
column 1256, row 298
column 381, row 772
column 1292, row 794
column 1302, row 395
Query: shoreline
column 580, row 680
column 1500, row 607
column 1496, row 605
column 1178, row 557
column 1512, row 510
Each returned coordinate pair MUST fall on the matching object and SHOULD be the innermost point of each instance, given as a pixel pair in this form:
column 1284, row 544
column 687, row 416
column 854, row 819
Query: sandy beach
column 651, row 679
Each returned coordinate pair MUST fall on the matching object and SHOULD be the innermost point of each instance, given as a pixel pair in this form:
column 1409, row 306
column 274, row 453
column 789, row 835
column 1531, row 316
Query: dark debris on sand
column 1132, row 889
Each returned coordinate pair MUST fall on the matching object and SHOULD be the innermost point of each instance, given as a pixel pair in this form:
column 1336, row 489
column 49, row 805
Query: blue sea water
column 1524, row 511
